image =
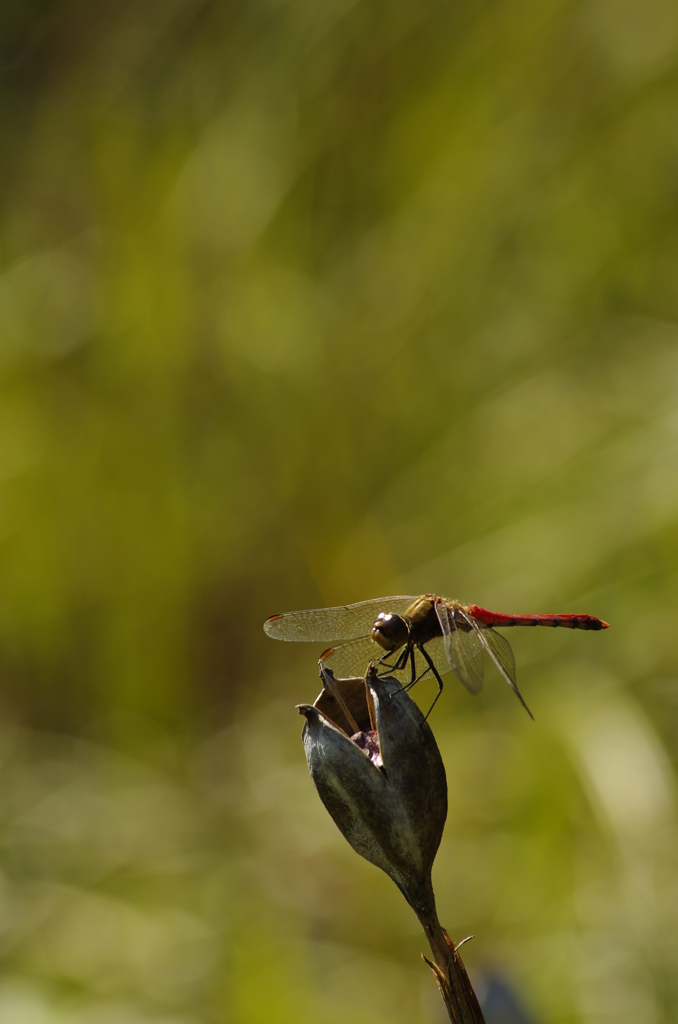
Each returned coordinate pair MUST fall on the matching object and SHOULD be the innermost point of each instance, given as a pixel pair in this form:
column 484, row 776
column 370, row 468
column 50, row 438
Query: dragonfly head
column 390, row 631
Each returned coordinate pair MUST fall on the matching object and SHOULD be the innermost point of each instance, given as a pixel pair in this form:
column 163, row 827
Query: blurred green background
column 304, row 302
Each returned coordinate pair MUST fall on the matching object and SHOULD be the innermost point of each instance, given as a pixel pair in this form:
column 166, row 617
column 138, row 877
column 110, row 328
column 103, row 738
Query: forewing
column 499, row 649
column 326, row 625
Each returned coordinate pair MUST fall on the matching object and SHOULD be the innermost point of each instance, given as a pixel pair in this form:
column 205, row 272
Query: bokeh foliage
column 302, row 303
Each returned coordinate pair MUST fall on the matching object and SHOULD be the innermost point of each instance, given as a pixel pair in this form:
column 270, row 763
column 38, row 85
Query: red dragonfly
column 423, row 636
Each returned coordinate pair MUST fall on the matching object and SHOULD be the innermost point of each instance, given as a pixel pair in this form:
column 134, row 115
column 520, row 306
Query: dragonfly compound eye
column 390, row 631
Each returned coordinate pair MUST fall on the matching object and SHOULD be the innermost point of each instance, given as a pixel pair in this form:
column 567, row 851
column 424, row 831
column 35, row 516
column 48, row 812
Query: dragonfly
column 420, row 637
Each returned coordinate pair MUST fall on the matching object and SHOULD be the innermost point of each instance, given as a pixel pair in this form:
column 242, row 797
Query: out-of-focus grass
column 301, row 304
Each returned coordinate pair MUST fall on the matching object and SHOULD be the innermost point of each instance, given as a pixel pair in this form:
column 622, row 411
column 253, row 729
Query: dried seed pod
column 385, row 785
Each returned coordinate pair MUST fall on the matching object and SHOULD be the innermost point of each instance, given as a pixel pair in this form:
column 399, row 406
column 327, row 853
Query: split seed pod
column 383, row 783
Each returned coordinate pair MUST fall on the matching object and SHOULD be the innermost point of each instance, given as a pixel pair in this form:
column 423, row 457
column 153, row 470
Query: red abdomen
column 568, row 621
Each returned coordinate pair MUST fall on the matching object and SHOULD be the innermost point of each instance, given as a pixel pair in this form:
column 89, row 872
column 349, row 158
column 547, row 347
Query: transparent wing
column 499, row 649
column 325, row 625
column 467, row 659
column 443, row 615
column 462, row 650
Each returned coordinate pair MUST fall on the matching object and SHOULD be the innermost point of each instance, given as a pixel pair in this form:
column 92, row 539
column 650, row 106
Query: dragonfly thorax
column 390, row 631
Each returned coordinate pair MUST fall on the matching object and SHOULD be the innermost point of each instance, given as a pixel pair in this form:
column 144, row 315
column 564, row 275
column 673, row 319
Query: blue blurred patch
column 499, row 1002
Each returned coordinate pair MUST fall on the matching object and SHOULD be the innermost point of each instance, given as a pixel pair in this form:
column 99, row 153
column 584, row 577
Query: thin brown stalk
column 455, row 987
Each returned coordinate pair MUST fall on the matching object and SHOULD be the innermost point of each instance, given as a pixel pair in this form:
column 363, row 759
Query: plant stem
column 453, row 981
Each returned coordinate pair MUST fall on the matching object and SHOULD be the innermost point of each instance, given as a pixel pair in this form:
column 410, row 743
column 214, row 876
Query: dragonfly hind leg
column 436, row 675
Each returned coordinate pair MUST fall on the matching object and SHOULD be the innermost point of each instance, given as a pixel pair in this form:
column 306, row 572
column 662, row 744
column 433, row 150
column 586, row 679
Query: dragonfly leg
column 436, row 675
column 430, row 667
column 415, row 679
column 401, row 660
column 406, row 655
column 414, row 671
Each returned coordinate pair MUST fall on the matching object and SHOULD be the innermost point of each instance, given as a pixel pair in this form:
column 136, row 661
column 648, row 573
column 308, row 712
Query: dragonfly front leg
column 401, row 660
